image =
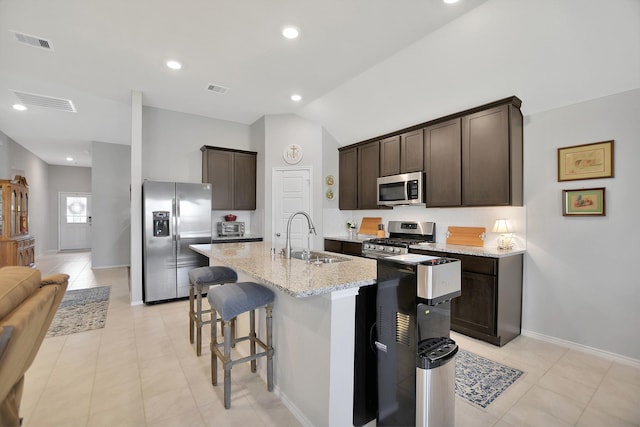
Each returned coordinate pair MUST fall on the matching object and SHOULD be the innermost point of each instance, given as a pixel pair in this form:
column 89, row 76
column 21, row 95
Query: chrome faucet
column 287, row 249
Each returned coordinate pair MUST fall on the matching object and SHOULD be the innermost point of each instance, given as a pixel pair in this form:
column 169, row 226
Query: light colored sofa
column 27, row 307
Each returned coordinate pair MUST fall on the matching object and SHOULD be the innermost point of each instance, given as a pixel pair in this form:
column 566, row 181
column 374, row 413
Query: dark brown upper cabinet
column 359, row 168
column 232, row 175
column 492, row 157
column 390, row 156
column 443, row 164
column 411, row 151
column 368, row 172
column 402, row 153
column 244, row 181
column 348, row 179
column 471, row 158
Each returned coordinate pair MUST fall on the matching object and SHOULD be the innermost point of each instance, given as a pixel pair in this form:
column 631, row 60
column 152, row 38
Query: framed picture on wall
column 583, row 202
column 588, row 161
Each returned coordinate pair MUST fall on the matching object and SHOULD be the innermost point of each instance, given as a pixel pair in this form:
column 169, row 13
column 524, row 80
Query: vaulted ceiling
column 99, row 51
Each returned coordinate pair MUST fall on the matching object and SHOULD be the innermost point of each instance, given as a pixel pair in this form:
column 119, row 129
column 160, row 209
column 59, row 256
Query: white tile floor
column 141, row 370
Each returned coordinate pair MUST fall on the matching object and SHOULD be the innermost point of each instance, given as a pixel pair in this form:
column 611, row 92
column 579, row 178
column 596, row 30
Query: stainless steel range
column 401, row 235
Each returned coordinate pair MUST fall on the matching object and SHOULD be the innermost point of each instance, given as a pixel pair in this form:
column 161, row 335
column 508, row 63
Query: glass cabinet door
column 14, row 212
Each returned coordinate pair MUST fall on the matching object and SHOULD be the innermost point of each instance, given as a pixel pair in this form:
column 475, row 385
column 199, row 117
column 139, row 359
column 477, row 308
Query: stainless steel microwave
column 403, row 189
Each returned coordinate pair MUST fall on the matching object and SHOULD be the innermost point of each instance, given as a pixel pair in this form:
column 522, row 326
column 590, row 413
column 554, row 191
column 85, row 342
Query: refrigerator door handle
column 174, row 242
column 176, row 207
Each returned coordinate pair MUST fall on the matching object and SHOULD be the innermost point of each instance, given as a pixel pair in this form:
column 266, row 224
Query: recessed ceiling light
column 19, row 107
column 69, row 159
column 450, row 1
column 174, row 65
column 296, row 97
column 290, row 32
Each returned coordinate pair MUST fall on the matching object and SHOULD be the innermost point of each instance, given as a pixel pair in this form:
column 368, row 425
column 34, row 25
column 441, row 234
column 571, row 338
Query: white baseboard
column 293, row 408
column 585, row 349
column 104, row 267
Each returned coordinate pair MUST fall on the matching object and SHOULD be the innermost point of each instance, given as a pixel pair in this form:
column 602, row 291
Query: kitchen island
column 313, row 327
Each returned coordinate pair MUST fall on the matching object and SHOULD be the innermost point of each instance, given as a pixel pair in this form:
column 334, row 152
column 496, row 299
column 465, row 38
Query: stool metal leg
column 269, row 310
column 191, row 313
column 214, row 348
column 227, row 365
column 199, row 321
column 252, row 338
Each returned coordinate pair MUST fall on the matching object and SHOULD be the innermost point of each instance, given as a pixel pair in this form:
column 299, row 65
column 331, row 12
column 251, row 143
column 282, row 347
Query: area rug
column 480, row 380
column 81, row 310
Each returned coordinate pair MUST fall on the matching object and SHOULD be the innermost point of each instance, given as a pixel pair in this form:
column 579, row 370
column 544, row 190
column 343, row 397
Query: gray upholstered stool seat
column 229, row 302
column 200, row 279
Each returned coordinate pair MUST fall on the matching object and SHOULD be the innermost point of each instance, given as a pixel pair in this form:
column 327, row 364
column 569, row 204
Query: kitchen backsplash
column 335, row 220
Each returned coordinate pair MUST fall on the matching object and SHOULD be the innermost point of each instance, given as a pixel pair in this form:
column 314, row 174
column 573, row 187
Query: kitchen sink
column 317, row 257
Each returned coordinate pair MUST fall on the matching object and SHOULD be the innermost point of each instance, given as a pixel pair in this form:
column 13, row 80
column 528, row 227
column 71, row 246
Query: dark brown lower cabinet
column 490, row 305
column 475, row 310
column 342, row 247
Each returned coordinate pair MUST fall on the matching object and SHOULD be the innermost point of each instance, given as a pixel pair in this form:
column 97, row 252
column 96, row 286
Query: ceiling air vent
column 217, row 88
column 33, row 40
column 45, row 101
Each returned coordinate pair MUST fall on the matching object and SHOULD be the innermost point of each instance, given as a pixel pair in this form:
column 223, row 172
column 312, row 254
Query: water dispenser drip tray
column 433, row 352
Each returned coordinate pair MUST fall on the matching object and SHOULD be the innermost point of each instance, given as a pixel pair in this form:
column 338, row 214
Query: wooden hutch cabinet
column 16, row 246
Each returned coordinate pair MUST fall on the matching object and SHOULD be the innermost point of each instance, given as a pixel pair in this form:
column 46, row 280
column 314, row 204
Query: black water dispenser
column 160, row 223
column 415, row 354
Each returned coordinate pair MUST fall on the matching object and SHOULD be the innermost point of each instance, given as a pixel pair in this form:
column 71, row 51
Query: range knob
column 380, row 248
column 397, row 250
column 390, row 249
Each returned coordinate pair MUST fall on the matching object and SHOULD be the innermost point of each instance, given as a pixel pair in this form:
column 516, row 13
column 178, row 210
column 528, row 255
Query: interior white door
column 74, row 221
column 291, row 189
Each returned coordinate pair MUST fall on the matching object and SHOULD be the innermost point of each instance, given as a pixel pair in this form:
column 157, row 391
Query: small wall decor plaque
column 588, row 161
column 583, row 202
column 292, row 154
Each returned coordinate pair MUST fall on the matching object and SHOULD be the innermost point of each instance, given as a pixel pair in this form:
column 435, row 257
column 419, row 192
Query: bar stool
column 200, row 279
column 228, row 302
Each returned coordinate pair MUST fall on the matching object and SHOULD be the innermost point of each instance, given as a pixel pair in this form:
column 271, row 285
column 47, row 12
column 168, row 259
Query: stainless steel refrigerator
column 175, row 215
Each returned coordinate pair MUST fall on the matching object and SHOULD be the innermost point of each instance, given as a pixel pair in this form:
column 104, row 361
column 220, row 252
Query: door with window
column 74, row 221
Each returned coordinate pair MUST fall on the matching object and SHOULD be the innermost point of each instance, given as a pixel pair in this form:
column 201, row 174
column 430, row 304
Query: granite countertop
column 486, row 251
column 292, row 276
column 492, row 252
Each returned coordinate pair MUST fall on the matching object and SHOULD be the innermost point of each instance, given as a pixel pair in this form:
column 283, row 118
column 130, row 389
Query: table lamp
column 503, row 227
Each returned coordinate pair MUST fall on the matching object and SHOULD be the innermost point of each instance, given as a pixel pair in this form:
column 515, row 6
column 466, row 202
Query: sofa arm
column 55, row 279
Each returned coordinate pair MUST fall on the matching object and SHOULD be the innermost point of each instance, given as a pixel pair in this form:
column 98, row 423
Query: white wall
column 110, row 186
column 171, row 143
column 63, row 179
column 550, row 53
column 257, row 132
column 280, row 131
column 24, row 162
column 581, row 282
column 4, row 156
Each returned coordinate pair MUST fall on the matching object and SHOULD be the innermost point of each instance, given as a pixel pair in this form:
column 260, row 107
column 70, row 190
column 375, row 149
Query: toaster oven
column 230, row 229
